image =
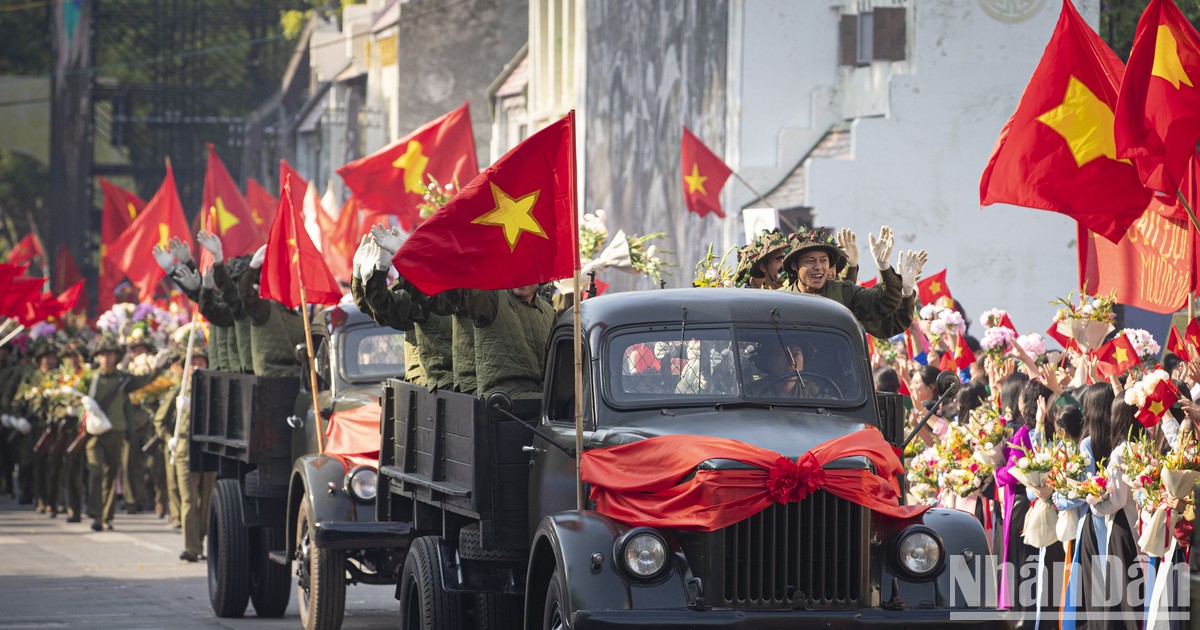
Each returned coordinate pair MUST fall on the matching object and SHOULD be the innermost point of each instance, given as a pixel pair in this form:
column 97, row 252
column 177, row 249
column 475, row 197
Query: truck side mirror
column 947, row 382
column 301, row 353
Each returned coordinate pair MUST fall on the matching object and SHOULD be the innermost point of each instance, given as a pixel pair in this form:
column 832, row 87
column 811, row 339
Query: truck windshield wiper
column 744, row 404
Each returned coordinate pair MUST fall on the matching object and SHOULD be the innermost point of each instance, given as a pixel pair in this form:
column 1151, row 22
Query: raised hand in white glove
column 180, row 250
column 849, row 244
column 207, row 281
column 259, row 256
column 187, row 278
column 22, row 425
column 909, row 270
column 371, row 252
column 881, row 248
column 360, row 256
column 164, row 258
column 162, row 359
column 183, row 401
column 388, row 240
column 383, row 258
column 6, row 421
column 210, row 242
column 172, row 442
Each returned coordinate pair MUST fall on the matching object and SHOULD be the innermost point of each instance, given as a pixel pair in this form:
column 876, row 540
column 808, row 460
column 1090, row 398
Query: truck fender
column 966, row 577
column 310, row 486
column 568, row 540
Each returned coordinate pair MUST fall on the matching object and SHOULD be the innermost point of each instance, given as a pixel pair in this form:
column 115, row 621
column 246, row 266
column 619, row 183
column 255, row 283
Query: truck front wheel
column 424, row 604
column 554, row 615
column 228, row 551
column 270, row 582
column 321, row 583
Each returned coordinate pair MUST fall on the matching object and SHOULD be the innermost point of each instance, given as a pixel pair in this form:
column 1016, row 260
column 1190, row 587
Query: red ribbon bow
column 792, row 481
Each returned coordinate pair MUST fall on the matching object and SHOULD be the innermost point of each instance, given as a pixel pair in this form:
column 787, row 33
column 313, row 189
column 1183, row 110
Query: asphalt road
column 55, row 574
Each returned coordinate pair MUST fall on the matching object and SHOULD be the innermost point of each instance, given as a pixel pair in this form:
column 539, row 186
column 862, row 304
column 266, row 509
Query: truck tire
column 555, row 614
column 470, row 547
column 228, row 551
column 321, row 584
column 424, row 604
column 270, row 582
column 494, row 611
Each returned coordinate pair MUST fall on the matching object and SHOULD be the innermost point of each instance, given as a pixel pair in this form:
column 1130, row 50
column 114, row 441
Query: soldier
column 764, row 260
column 275, row 330
column 511, row 328
column 138, row 491
column 72, row 370
column 108, row 393
column 11, row 374
column 35, row 398
column 176, row 260
column 238, row 348
column 194, row 488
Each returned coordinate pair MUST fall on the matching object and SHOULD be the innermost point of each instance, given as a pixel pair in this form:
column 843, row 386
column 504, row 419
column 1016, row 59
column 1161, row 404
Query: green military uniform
column 104, row 451
column 11, row 375
column 33, row 470
column 194, row 488
column 164, row 428
column 463, row 335
column 510, row 340
column 275, row 330
column 429, row 356
column 242, row 346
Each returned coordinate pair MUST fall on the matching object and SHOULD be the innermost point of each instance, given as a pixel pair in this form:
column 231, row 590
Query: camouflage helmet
column 767, row 243
column 809, row 239
column 747, row 257
column 40, row 347
column 73, row 348
column 107, row 342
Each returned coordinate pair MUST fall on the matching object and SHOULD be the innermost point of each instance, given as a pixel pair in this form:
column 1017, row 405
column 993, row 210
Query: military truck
column 488, row 486
column 278, row 498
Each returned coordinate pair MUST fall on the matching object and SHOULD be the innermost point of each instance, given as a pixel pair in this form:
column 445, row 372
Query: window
column 562, row 388
column 877, row 35
column 866, row 38
column 372, row 353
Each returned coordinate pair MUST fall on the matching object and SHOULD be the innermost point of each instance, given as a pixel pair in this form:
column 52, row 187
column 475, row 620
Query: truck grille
column 796, row 555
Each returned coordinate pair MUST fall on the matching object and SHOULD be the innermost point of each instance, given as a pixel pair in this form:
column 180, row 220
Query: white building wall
column 918, row 168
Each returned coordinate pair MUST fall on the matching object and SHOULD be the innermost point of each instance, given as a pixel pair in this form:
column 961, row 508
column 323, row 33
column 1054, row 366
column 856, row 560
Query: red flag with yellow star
column 224, row 212
column 390, row 181
column 1191, row 334
column 1057, row 152
column 934, row 288
column 261, row 204
column 27, row 250
column 1175, row 345
column 1117, row 356
column 120, row 208
column 342, row 240
column 513, row 225
column 158, row 223
column 1157, row 117
column 704, row 175
column 1158, row 401
column 293, row 261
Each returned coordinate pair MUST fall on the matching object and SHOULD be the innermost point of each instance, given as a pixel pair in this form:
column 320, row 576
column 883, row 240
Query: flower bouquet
column 1136, row 392
column 434, row 195
column 713, row 273
column 1033, row 468
column 1087, row 322
column 1143, row 472
column 922, row 475
column 1181, row 468
column 1143, row 342
column 997, row 341
column 1070, row 466
column 989, row 434
column 645, row 258
column 969, row 479
column 592, row 233
column 1041, row 522
column 1033, row 346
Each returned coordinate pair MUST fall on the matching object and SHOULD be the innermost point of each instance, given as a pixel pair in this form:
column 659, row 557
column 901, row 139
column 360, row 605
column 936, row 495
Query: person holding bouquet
column 1119, row 510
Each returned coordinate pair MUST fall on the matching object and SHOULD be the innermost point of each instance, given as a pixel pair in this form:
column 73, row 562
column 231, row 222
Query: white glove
column 211, row 243
column 909, row 265
column 183, row 402
column 164, row 258
column 849, row 244
column 259, row 256
column 881, row 249
column 180, row 250
column 360, row 255
column 22, row 425
column 162, row 359
column 6, row 421
column 187, row 278
column 172, row 442
column 388, row 240
column 371, row 253
column 383, row 258
column 207, row 281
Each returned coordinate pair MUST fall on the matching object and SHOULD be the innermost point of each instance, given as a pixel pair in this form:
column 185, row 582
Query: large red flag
column 18, row 295
column 262, row 205
column 161, row 220
column 225, row 213
column 67, row 275
column 390, row 180
column 120, row 209
column 1056, row 152
column 27, row 250
column 341, row 241
column 1157, row 118
column 293, row 261
column 513, row 225
column 704, row 176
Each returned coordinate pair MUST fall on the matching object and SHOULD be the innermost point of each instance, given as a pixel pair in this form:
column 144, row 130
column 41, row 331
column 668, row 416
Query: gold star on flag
column 1166, row 59
column 131, row 210
column 1156, row 407
column 256, row 216
column 413, row 162
column 1121, row 355
column 1085, row 122
column 225, row 218
column 695, row 181
column 935, row 287
column 164, row 234
column 295, row 250
column 514, row 215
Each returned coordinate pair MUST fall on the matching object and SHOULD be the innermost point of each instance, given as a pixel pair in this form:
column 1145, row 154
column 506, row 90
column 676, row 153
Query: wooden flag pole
column 308, row 342
column 185, row 389
column 14, row 333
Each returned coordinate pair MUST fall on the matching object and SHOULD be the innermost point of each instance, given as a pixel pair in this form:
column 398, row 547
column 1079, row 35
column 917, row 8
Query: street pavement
column 55, row 574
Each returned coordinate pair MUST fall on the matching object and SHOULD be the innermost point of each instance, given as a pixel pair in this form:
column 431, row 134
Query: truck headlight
column 643, row 553
column 919, row 552
column 361, row 483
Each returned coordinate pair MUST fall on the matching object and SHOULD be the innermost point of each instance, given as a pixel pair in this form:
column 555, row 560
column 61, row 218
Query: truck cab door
column 551, row 470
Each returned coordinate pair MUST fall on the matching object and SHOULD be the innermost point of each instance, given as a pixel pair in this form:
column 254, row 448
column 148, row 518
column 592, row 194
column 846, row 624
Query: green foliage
column 1119, row 18
column 25, row 41
column 23, row 185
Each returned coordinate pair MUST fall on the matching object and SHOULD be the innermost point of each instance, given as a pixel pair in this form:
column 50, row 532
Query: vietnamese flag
column 161, row 221
column 261, row 204
column 392, row 180
column 18, row 295
column 963, row 356
column 1158, row 401
column 1157, row 118
column 67, row 275
column 1191, row 334
column 225, row 211
column 121, row 207
column 704, row 175
column 1175, row 345
column 9, row 272
column 869, row 283
column 512, row 226
column 1057, row 151
column 1117, row 356
column 293, row 272
column 27, row 250
column 342, row 240
column 933, row 288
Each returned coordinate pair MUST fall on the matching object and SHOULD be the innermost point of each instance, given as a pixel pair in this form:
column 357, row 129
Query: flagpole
column 308, row 342
column 185, row 386
column 14, row 333
column 577, row 326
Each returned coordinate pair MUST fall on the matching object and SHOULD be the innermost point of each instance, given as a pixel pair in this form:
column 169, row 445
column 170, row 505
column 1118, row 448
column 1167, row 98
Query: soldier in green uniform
column 763, row 260
column 275, row 330
column 138, row 492
column 194, row 488
column 108, row 392
column 72, row 369
column 35, row 396
column 811, row 265
column 176, row 260
column 511, row 329
column 11, row 373
column 238, row 347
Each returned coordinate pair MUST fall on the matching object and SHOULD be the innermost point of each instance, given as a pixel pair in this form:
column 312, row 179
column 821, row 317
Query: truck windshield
column 371, row 353
column 690, row 366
